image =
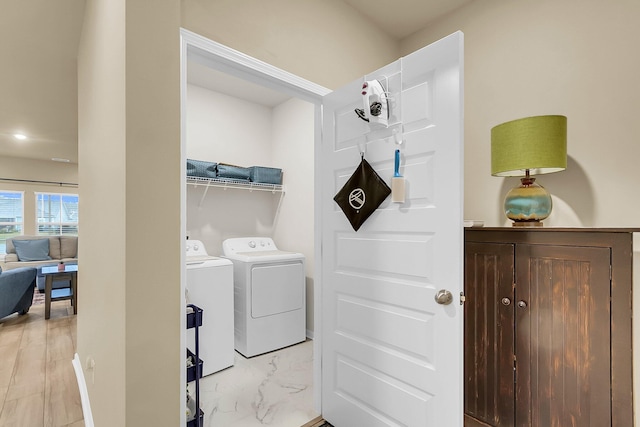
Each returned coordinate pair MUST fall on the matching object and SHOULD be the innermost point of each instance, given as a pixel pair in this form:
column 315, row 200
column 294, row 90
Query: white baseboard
column 84, row 395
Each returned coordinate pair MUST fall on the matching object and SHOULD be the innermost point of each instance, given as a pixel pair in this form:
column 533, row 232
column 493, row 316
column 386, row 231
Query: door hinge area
column 463, row 298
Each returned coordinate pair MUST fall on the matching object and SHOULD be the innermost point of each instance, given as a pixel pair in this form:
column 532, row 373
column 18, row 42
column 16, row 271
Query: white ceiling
column 206, row 77
column 39, row 43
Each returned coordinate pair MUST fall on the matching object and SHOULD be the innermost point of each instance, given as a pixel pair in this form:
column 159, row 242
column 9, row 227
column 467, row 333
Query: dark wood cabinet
column 548, row 327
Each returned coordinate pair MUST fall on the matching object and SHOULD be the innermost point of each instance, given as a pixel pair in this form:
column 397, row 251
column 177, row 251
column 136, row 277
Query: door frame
column 230, row 61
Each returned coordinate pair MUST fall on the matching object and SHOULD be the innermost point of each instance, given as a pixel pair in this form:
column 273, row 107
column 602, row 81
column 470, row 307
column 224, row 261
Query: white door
column 391, row 355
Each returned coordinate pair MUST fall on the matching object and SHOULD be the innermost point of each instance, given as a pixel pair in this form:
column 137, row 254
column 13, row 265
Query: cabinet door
column 563, row 337
column 488, row 335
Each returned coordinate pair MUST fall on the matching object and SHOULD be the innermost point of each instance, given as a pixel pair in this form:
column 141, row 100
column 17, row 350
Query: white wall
column 572, row 57
column 293, row 150
column 221, row 128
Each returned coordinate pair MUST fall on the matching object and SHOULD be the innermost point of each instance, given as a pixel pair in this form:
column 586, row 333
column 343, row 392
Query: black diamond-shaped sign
column 362, row 194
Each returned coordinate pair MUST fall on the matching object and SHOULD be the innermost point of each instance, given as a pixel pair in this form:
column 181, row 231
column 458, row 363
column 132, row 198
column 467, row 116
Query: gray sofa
column 16, row 290
column 61, row 249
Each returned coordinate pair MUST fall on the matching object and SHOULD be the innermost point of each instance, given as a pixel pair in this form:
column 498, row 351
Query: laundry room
column 230, row 120
column 235, row 124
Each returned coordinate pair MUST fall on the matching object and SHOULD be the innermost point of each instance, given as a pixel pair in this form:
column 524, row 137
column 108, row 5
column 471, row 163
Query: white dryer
column 269, row 295
column 210, row 287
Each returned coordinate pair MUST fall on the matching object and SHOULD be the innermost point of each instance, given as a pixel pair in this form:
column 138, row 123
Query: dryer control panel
column 248, row 244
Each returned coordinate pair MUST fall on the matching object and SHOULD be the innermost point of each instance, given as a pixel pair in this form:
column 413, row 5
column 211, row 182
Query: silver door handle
column 443, row 297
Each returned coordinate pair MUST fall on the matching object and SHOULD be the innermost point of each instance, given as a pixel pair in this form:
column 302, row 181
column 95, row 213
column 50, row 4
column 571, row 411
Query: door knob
column 443, row 297
column 506, row 301
column 522, row 304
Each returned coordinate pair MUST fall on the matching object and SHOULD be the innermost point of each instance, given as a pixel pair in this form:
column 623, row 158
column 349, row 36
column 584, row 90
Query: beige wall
column 129, row 151
column 101, row 156
column 15, row 168
column 326, row 42
column 37, row 170
column 573, row 57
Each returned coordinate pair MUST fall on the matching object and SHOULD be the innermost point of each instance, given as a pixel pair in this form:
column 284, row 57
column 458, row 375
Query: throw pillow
column 32, row 250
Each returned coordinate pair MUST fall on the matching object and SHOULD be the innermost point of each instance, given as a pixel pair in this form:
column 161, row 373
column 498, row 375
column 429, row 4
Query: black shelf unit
column 194, row 373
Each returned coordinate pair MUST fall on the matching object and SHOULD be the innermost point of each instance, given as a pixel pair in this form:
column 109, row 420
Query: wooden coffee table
column 70, row 272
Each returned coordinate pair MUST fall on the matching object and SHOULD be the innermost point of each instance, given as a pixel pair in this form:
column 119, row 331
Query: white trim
column 222, row 58
column 231, row 61
column 183, row 223
column 82, row 388
column 317, row 273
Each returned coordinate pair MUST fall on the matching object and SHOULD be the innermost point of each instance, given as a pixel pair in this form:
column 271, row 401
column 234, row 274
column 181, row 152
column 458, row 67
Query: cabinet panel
column 563, row 336
column 572, row 340
column 489, row 342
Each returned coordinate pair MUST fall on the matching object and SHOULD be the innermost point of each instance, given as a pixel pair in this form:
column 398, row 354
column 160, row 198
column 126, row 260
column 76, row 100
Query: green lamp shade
column 537, row 144
column 525, row 147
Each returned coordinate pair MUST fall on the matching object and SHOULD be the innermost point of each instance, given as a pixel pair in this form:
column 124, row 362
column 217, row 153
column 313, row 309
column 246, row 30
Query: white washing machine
column 210, row 287
column 269, row 295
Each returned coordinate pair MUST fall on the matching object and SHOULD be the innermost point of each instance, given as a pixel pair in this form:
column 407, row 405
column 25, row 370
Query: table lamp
column 525, row 147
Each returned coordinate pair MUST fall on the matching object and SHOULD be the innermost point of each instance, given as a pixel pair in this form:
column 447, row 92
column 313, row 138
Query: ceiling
column 400, row 18
column 38, row 90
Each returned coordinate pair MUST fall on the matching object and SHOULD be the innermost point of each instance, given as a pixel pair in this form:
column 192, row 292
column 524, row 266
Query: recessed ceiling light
column 58, row 159
column 20, row 136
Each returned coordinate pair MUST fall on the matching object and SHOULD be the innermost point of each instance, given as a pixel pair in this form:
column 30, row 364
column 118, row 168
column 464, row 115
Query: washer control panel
column 196, row 248
column 248, row 244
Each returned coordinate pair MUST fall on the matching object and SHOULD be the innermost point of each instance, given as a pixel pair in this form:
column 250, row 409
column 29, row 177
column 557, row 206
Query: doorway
column 427, row 88
column 209, row 63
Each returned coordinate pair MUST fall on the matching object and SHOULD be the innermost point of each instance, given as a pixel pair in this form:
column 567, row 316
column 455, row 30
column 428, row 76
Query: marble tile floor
column 273, row 389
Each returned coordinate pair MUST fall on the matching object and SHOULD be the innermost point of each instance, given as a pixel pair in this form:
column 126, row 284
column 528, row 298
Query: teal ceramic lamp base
column 528, row 204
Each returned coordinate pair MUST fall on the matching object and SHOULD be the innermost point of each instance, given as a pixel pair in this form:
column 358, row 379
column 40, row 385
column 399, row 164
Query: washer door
column 276, row 288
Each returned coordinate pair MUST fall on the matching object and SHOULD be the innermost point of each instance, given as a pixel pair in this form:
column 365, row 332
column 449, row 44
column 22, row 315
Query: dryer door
column 277, row 288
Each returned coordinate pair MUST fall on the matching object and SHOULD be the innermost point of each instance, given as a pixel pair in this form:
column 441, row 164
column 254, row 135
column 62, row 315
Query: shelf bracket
column 206, row 189
column 277, row 215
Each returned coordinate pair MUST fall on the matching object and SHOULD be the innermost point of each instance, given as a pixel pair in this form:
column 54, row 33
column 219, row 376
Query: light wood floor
column 316, row 422
column 38, row 386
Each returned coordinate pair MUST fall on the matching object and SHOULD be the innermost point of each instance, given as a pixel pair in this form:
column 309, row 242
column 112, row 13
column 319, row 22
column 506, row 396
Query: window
column 56, row 214
column 11, row 218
